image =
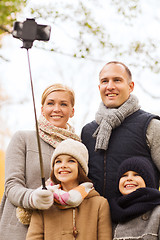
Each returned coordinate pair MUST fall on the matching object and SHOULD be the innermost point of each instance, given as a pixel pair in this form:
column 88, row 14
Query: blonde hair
column 58, row 87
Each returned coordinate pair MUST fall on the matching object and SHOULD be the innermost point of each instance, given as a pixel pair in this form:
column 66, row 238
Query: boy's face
column 57, row 108
column 129, row 182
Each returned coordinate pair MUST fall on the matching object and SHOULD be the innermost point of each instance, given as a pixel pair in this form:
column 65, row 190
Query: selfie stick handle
column 37, row 130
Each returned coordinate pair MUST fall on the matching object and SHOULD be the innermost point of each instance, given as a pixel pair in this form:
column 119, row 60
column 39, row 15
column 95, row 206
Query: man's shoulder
column 142, row 116
column 90, row 127
column 87, row 132
column 148, row 114
column 154, row 126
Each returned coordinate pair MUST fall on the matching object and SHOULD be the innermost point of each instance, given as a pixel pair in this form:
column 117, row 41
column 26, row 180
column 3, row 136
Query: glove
column 51, row 188
column 41, row 199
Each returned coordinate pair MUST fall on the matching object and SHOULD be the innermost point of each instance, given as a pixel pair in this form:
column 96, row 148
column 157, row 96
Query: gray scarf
column 110, row 118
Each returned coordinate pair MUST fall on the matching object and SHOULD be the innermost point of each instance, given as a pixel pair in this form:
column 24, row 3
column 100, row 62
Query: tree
column 88, row 36
column 8, row 14
column 91, row 37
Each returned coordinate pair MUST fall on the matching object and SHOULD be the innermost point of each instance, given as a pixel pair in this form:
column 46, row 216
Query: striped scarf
column 72, row 198
column 54, row 135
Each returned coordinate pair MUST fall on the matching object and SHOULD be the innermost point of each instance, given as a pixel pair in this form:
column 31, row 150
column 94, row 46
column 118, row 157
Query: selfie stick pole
column 37, row 130
column 28, row 31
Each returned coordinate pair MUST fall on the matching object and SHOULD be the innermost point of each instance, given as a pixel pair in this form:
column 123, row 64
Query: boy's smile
column 129, row 182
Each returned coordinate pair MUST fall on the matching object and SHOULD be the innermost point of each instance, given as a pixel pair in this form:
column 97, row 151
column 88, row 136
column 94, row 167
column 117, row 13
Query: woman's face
column 66, row 171
column 57, row 108
column 129, row 182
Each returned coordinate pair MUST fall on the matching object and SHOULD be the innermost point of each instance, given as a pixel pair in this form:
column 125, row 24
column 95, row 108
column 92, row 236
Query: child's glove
column 41, row 199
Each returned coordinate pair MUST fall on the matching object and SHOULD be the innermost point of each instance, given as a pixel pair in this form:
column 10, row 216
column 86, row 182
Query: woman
column 78, row 212
column 22, row 168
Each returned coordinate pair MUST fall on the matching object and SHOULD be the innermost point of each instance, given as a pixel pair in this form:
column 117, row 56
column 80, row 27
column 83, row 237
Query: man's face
column 114, row 86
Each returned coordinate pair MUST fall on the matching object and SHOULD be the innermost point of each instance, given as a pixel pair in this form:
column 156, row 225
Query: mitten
column 41, row 199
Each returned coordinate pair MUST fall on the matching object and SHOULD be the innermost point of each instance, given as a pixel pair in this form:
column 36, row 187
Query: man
column 120, row 129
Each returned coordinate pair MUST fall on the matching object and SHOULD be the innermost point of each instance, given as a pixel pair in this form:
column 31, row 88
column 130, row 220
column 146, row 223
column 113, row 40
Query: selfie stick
column 37, row 129
column 27, row 32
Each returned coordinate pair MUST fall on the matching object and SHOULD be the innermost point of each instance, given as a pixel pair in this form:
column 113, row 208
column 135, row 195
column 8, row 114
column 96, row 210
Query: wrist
column 31, row 201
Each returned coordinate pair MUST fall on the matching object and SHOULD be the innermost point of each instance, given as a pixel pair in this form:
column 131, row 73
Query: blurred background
column 84, row 36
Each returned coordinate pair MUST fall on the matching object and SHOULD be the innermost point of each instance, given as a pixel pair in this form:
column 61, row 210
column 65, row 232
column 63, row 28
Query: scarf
column 54, row 135
column 134, row 204
column 110, row 118
column 72, row 198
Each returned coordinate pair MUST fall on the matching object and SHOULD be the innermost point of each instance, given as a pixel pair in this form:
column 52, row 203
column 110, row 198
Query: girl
column 78, row 212
column 136, row 212
column 22, row 168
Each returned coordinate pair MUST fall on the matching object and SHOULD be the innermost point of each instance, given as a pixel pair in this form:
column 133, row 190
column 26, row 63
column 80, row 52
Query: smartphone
column 29, row 30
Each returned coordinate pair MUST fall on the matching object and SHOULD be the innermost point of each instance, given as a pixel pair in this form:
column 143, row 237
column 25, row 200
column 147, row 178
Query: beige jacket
column 92, row 219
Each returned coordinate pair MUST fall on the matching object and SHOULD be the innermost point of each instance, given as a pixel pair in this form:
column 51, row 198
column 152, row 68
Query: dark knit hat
column 142, row 166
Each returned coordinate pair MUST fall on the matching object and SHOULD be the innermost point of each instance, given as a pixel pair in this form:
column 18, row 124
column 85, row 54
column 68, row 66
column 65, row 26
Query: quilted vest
column 129, row 139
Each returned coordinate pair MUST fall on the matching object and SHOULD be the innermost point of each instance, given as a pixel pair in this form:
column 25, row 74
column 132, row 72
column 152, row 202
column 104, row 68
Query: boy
column 136, row 211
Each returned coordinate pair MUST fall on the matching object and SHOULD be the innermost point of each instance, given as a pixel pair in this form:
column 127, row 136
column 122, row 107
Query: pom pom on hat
column 75, row 149
column 142, row 166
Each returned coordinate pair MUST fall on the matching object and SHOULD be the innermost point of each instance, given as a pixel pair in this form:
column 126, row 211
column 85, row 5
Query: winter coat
column 21, row 176
column 145, row 227
column 92, row 220
column 129, row 139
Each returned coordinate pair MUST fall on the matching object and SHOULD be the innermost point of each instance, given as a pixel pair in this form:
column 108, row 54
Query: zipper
column 104, row 174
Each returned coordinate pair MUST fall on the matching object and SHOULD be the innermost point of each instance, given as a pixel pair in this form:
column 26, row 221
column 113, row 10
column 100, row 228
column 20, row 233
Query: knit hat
column 142, row 166
column 75, row 149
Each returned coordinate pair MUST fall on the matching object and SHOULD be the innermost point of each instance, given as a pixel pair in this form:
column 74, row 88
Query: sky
column 82, row 75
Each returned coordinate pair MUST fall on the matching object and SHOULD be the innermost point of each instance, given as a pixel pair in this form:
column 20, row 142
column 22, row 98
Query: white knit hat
column 75, row 149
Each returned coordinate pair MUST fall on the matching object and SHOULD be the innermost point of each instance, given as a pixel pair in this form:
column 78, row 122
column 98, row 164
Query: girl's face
column 57, row 108
column 66, row 171
column 129, row 182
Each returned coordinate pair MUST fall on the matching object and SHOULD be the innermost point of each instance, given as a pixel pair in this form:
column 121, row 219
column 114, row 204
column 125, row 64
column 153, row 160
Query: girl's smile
column 66, row 171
